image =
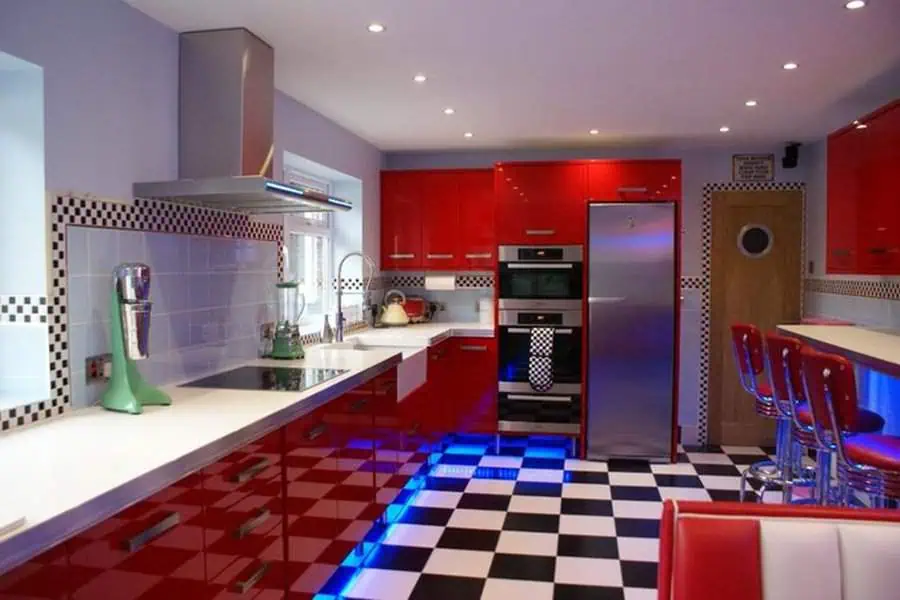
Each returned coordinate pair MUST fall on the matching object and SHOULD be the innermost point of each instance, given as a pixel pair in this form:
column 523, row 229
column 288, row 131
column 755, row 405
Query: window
column 309, row 248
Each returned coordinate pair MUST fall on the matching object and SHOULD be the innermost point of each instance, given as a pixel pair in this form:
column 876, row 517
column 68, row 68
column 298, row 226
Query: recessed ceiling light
column 790, row 66
column 594, row 132
column 724, row 128
column 449, row 111
column 855, row 4
column 420, row 78
column 751, row 103
column 376, row 28
column 468, row 134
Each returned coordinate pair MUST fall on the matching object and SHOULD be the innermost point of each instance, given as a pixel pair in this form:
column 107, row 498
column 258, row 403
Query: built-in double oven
column 540, row 339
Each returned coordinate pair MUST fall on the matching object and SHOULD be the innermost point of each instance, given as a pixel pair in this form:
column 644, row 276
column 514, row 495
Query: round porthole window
column 755, row 241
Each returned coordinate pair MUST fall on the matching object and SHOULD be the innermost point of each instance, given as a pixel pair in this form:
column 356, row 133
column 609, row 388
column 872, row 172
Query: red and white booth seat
column 731, row 551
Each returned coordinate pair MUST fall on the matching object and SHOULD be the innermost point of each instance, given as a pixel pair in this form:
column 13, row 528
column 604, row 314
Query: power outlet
column 97, row 368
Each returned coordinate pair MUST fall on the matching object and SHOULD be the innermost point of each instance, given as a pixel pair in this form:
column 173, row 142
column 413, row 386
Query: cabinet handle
column 315, row 431
column 878, row 251
column 154, row 531
column 251, row 471
column 242, row 587
column 479, row 255
column 401, row 256
column 841, row 252
column 536, row 398
column 468, row 348
column 359, row 405
column 632, row 190
column 252, row 523
column 446, row 256
column 540, row 231
column 414, row 429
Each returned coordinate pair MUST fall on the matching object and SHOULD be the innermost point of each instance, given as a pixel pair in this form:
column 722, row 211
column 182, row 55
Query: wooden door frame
column 703, row 283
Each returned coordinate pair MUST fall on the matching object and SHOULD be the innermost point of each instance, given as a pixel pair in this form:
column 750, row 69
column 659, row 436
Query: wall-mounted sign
column 753, row 167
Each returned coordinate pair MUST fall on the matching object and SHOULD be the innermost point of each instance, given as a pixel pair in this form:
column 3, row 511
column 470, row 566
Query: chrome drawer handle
column 401, row 256
column 540, row 231
column 316, row 431
column 252, row 523
column 479, row 255
column 359, row 405
column 633, row 190
column 246, row 585
column 154, row 531
column 439, row 256
column 468, row 348
column 251, row 471
column 536, row 398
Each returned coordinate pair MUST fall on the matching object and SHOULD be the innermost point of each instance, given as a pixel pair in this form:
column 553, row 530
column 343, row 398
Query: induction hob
column 269, row 379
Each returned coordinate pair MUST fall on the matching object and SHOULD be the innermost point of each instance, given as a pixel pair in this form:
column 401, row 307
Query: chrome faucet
column 339, row 318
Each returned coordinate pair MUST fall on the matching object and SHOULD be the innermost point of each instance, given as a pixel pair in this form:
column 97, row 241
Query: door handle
column 536, row 398
column 242, row 587
column 137, row 542
column 252, row 523
column 540, row 231
column 468, row 348
column 605, row 299
column 251, row 471
column 315, row 431
column 441, row 256
column 401, row 256
column 632, row 190
column 479, row 255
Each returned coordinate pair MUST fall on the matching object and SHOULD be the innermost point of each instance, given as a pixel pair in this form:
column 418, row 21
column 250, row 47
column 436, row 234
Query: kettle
column 394, row 314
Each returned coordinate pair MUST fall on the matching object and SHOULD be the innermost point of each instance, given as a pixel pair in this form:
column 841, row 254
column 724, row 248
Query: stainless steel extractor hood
column 226, row 130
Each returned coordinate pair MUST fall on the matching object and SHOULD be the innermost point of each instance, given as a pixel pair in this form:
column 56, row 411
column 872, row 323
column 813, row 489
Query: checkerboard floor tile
column 531, row 522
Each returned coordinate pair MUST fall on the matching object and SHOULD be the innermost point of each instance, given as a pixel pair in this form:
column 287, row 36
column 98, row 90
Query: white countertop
column 879, row 349
column 72, row 472
column 420, row 334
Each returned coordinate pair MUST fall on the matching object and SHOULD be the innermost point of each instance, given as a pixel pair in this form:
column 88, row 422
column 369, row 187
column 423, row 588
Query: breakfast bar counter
column 874, row 348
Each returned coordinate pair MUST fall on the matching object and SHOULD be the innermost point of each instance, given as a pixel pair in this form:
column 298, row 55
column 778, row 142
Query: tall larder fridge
column 633, row 301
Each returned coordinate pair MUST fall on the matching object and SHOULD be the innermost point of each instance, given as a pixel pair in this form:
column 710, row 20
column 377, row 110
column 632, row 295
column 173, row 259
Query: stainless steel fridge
column 633, row 300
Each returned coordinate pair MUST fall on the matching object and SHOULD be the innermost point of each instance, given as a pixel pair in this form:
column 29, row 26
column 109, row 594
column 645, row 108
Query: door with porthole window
column 756, row 278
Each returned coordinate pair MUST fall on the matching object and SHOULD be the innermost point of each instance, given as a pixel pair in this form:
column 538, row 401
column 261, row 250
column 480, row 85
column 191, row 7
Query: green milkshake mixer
column 291, row 304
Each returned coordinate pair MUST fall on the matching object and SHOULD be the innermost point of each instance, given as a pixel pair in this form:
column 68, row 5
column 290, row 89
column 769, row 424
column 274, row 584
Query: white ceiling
column 544, row 72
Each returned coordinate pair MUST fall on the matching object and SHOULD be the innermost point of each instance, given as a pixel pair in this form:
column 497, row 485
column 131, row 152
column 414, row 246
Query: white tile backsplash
column 209, row 296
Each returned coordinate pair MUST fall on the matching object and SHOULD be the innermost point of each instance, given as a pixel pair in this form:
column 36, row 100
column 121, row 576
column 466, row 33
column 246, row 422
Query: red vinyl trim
column 795, row 511
column 666, row 547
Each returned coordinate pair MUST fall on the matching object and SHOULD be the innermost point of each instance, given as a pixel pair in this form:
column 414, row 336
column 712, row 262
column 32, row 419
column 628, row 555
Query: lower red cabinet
column 152, row 550
column 476, row 402
column 44, row 577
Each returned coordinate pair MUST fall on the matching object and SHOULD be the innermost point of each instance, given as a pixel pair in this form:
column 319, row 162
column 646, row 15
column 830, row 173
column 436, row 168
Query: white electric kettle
column 394, row 314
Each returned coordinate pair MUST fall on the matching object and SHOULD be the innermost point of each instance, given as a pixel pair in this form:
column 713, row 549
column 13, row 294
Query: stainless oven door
column 514, row 349
column 532, row 273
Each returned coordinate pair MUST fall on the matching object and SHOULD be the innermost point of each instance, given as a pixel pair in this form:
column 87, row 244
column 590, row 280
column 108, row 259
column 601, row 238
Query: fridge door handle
column 605, row 299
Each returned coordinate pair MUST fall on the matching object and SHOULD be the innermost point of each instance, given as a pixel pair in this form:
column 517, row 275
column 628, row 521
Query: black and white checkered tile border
column 23, row 310
column 141, row 215
column 706, row 268
column 475, row 281
column 881, row 289
column 406, row 280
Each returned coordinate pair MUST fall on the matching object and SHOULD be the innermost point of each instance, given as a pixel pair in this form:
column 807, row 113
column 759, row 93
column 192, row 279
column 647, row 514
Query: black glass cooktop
column 272, row 379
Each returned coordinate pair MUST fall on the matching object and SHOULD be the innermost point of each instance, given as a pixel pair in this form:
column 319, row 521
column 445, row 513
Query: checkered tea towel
column 540, row 359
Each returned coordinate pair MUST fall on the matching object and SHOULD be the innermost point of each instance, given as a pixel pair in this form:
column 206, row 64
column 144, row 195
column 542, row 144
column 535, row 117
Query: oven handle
column 605, row 299
column 536, row 398
column 556, row 331
column 518, row 265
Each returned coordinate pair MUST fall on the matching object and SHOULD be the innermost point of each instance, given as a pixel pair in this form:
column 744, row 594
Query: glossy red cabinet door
column 880, row 220
column 542, row 203
column 634, row 180
column 476, row 219
column 244, row 530
column 44, row 577
column 152, row 550
column 476, row 360
column 401, row 220
column 441, row 239
column 314, row 546
column 844, row 201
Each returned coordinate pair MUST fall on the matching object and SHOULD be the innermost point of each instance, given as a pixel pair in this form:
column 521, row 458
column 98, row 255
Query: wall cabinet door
column 153, row 549
column 634, row 180
column 401, row 220
column 476, row 219
column 879, row 223
column 44, row 577
column 844, row 200
column 541, row 203
column 441, row 235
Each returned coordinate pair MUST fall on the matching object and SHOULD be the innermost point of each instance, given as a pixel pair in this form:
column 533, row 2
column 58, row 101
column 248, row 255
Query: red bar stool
column 867, row 460
column 748, row 355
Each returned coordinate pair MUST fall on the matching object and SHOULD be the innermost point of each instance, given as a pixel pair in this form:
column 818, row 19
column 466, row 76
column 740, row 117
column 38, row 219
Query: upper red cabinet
column 541, row 203
column 863, row 219
column 401, row 220
column 476, row 219
column 440, row 201
column 634, row 180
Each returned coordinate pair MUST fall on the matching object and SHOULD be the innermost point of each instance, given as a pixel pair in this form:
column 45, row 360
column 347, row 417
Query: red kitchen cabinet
column 844, row 163
column 441, row 235
column 879, row 223
column 401, row 220
column 476, row 402
column 634, row 180
column 44, row 577
column 152, row 550
column 541, row 203
column 244, row 522
column 440, row 417
column 476, row 219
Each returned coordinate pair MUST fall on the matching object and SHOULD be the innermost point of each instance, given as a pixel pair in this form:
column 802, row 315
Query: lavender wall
column 111, row 79
column 302, row 131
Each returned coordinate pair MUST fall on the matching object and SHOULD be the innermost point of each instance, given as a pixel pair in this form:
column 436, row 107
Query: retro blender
column 291, row 304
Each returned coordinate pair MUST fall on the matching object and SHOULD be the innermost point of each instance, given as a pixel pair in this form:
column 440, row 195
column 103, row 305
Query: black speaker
column 791, row 156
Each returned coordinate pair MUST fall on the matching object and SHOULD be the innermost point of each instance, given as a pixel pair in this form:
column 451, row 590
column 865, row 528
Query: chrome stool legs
column 786, row 471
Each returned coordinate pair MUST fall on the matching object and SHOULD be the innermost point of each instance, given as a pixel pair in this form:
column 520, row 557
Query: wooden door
column 756, row 275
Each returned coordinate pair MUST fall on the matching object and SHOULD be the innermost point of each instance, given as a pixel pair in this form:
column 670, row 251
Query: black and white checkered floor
column 531, row 523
